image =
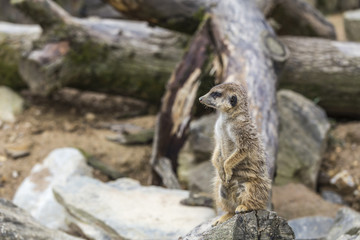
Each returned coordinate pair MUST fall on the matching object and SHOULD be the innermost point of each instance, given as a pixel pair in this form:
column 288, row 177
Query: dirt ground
column 47, row 126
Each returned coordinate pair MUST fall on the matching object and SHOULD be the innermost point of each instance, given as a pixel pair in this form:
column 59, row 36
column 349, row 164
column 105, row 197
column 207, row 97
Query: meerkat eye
column 215, row 94
column 233, row 100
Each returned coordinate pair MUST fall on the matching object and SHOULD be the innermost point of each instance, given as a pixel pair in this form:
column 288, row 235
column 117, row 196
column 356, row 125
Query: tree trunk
column 294, row 16
column 103, row 55
column 14, row 40
column 326, row 72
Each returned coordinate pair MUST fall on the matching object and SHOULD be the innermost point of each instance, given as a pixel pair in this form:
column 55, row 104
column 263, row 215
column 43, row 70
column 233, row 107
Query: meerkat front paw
column 241, row 208
column 228, row 175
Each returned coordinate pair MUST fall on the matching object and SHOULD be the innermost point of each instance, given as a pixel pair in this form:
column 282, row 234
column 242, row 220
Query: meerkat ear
column 233, row 100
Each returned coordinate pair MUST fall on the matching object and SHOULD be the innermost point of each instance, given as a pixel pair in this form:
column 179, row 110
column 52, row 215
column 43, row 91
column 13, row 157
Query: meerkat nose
column 200, row 99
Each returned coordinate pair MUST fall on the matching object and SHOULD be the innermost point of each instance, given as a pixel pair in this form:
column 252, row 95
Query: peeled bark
column 325, row 71
column 104, row 55
column 175, row 113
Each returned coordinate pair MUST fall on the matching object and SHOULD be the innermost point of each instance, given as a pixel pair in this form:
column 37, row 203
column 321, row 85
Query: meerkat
column 241, row 182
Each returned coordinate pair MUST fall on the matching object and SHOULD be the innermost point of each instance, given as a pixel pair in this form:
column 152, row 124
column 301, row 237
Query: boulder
column 16, row 224
column 302, row 139
column 296, row 201
column 35, row 193
column 260, row 224
column 11, row 104
column 347, row 222
column 125, row 209
column 352, row 25
column 201, row 177
column 316, row 227
column 201, row 138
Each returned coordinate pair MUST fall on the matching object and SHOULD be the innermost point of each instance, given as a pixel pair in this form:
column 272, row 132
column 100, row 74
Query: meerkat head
column 226, row 97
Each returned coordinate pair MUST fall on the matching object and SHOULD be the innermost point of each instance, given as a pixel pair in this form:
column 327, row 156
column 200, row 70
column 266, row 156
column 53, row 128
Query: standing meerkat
column 241, row 182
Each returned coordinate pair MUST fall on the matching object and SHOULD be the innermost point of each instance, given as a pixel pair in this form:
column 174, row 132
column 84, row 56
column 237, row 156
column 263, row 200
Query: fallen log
column 325, row 71
column 294, row 16
column 299, row 18
column 123, row 57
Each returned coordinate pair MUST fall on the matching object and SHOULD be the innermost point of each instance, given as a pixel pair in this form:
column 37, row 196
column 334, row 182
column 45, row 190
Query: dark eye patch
column 215, row 94
column 233, row 100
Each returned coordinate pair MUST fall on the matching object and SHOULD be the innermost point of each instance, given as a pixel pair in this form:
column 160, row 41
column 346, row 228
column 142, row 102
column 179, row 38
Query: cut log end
column 274, row 47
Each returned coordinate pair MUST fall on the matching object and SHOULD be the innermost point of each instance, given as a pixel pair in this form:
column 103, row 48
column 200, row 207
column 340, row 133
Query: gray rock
column 11, row 104
column 201, row 138
column 35, row 193
column 352, row 25
column 125, row 209
column 347, row 222
column 253, row 225
column 201, row 177
column 333, row 197
column 311, row 227
column 16, row 224
column 302, row 139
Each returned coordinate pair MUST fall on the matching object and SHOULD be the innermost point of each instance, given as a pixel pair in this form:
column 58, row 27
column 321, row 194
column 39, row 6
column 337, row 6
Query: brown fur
column 241, row 182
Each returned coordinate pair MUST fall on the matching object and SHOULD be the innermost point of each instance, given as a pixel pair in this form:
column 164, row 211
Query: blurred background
column 81, row 87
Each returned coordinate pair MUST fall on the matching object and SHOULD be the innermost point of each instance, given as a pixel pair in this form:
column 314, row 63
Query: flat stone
column 11, row 104
column 35, row 193
column 302, row 139
column 333, row 197
column 125, row 209
column 18, row 150
column 311, row 227
column 16, row 224
column 347, row 222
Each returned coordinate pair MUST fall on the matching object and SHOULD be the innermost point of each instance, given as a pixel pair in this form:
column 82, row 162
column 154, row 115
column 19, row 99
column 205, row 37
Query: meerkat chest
column 224, row 137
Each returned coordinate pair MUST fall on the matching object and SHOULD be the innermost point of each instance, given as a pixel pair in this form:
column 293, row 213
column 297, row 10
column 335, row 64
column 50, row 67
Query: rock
column 344, row 181
column 253, row 225
column 142, row 137
column 296, row 200
column 125, row 209
column 11, row 104
column 35, row 193
column 302, row 139
column 16, row 224
column 201, row 137
column 19, row 150
column 311, row 227
column 352, row 25
column 347, row 222
column 331, row 196
column 201, row 177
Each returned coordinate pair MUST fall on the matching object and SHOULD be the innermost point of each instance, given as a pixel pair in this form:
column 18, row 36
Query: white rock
column 35, row 194
column 128, row 210
column 11, row 104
